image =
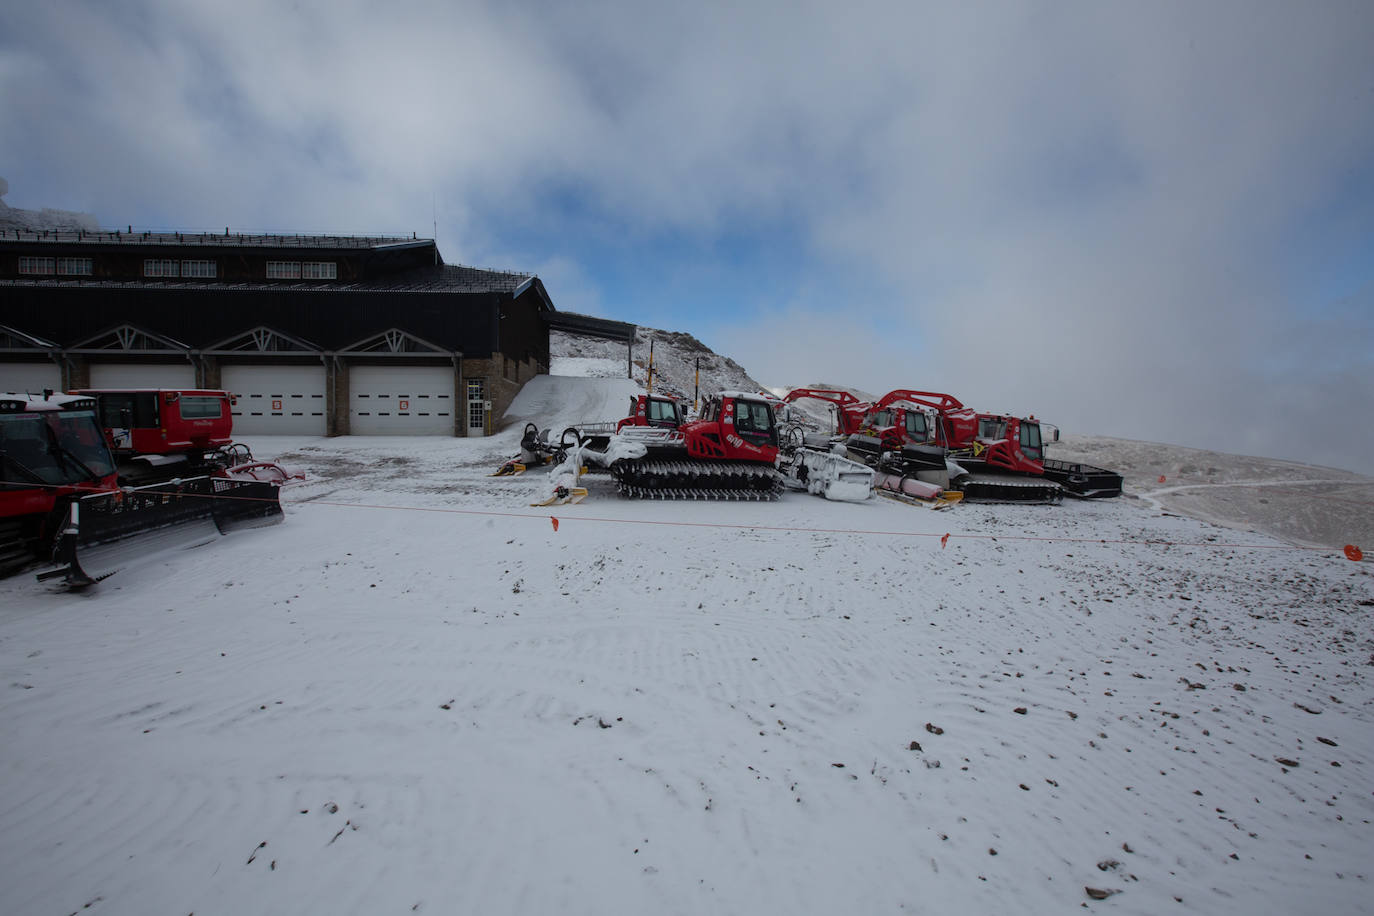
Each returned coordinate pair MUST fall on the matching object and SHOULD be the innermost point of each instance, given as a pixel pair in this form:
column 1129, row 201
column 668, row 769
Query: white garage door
column 276, row 400
column 32, row 377
column 142, row 375
column 401, row 400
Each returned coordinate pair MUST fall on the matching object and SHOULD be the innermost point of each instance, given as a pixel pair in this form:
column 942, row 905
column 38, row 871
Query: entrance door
column 477, row 407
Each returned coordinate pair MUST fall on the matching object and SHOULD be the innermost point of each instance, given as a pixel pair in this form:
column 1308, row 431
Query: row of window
column 302, row 270
column 172, row 267
column 66, row 267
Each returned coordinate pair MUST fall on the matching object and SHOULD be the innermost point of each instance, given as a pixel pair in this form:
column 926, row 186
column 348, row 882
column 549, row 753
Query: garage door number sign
column 276, row 405
column 405, row 405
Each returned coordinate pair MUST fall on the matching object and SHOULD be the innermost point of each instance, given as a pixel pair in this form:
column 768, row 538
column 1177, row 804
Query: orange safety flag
column 555, row 522
column 1354, row 552
column 944, row 540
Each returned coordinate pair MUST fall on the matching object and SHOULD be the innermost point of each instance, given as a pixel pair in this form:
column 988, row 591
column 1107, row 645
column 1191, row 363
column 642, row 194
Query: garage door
column 32, row 377
column 142, row 375
column 276, row 400
column 401, row 400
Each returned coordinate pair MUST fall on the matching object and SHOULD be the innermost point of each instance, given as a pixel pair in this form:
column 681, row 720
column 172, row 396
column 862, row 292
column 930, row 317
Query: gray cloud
column 1092, row 212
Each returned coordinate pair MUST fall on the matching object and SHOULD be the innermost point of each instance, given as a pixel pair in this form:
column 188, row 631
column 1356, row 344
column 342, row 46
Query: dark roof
column 444, row 278
column 589, row 326
column 206, row 239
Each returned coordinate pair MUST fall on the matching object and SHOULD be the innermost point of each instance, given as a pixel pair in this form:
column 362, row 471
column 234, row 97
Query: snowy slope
column 418, row 694
column 675, row 357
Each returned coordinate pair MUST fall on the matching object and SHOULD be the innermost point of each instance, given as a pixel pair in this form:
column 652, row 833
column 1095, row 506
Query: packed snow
column 419, row 694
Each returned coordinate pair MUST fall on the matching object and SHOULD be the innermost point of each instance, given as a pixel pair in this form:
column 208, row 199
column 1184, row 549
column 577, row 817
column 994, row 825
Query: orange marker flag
column 944, row 540
column 555, row 522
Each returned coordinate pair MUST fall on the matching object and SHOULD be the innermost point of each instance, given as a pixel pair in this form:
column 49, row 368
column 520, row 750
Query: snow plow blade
column 1084, row 480
column 829, row 475
column 108, row 532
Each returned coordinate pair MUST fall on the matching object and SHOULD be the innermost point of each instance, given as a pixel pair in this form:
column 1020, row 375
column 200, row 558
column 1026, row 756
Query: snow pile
column 417, row 694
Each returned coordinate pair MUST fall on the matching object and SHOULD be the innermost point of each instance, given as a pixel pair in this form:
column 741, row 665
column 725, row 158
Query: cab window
column 1030, row 440
column 132, row 410
column 663, row 412
column 201, row 408
column 916, row 426
column 991, row 428
column 754, row 421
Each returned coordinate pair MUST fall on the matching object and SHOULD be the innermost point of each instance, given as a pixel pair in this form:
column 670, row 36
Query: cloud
column 1123, row 218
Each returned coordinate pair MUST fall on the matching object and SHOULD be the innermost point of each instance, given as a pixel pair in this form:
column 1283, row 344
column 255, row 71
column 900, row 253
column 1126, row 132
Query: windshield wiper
column 58, row 449
column 22, row 468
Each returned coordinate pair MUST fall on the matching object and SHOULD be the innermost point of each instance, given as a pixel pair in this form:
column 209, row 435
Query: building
column 317, row 335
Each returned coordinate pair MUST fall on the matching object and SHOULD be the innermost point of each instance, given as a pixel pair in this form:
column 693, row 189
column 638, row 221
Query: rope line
column 944, row 537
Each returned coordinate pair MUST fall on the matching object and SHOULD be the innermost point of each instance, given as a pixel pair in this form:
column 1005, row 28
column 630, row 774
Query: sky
column 1152, row 221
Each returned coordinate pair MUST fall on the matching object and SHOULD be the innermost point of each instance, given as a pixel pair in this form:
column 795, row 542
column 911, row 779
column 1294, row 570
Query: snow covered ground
column 418, row 694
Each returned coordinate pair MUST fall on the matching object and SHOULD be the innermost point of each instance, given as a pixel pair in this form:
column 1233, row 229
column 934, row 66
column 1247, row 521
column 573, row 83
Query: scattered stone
column 915, row 746
column 1098, row 893
column 934, row 729
column 1328, row 741
column 1285, row 761
column 1020, row 710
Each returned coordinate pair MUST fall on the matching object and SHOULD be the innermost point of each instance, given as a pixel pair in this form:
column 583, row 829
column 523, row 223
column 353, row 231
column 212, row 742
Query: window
column 126, row 410
column 992, row 428
column 319, row 270
column 283, row 270
column 754, row 421
column 916, row 426
column 880, row 419
column 74, row 267
column 200, row 269
column 1030, row 440
column 201, row 408
column 161, row 267
column 36, row 265
column 662, row 413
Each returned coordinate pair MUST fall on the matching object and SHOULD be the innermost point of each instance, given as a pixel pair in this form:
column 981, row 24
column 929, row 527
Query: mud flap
column 108, row 532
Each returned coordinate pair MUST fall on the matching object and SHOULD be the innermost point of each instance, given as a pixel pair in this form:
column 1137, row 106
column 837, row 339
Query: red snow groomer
column 1004, row 455
column 60, row 500
column 163, row 433
column 730, row 452
column 849, row 410
column 899, row 418
column 654, row 410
